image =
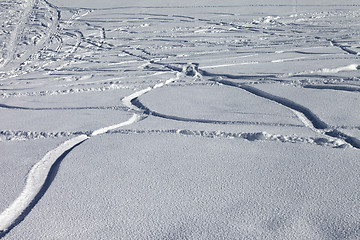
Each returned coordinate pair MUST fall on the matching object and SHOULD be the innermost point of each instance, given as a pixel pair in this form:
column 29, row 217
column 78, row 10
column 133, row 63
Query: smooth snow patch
column 35, row 182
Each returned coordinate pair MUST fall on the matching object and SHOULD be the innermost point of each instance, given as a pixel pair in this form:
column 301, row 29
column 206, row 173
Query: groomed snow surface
column 179, row 120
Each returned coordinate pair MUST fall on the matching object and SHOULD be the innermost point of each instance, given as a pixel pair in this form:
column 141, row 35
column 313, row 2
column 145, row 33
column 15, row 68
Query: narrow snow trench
column 41, row 174
column 36, row 185
column 305, row 115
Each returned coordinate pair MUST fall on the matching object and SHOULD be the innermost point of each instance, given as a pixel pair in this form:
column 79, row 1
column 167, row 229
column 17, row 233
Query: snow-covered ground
column 179, row 119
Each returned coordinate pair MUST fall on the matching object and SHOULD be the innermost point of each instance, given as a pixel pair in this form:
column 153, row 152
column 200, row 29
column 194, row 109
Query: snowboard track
column 49, row 179
column 317, row 123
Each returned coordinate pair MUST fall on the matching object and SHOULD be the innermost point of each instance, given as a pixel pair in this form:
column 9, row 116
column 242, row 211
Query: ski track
column 304, row 114
column 12, row 64
column 18, row 29
column 351, row 67
column 136, row 102
column 345, row 49
column 35, row 186
column 334, row 87
column 38, row 179
column 107, row 87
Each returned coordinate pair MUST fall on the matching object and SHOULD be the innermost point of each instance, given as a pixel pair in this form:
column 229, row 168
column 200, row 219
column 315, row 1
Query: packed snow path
column 55, row 53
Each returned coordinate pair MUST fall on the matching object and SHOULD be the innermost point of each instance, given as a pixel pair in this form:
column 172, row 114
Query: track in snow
column 38, row 181
column 334, row 87
column 136, row 102
column 41, row 175
column 80, row 45
column 62, row 108
column 249, row 136
column 11, row 48
column 305, row 115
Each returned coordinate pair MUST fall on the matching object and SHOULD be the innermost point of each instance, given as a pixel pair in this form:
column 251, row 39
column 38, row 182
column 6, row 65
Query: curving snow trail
column 35, row 185
column 68, row 55
column 305, row 115
column 39, row 177
column 135, row 118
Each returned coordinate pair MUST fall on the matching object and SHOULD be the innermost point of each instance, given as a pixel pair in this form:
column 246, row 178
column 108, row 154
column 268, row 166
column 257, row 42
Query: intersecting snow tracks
column 38, row 179
column 136, row 102
column 28, row 7
column 36, row 184
column 304, row 114
column 68, row 52
column 9, row 135
column 25, row 43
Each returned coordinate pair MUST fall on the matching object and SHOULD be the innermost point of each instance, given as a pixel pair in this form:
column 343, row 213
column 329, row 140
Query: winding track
column 309, row 119
column 40, row 176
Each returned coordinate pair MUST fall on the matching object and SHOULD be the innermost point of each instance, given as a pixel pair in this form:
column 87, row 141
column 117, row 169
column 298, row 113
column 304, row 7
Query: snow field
column 148, row 120
column 199, row 188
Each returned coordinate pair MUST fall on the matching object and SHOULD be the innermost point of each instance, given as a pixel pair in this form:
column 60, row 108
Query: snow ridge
column 62, row 108
column 65, row 91
column 11, row 135
column 249, row 136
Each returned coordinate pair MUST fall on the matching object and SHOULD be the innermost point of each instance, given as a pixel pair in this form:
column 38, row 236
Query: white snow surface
column 179, row 119
column 35, row 181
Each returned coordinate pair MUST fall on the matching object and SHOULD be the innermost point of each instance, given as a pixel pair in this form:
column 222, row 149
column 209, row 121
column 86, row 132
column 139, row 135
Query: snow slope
column 187, row 120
